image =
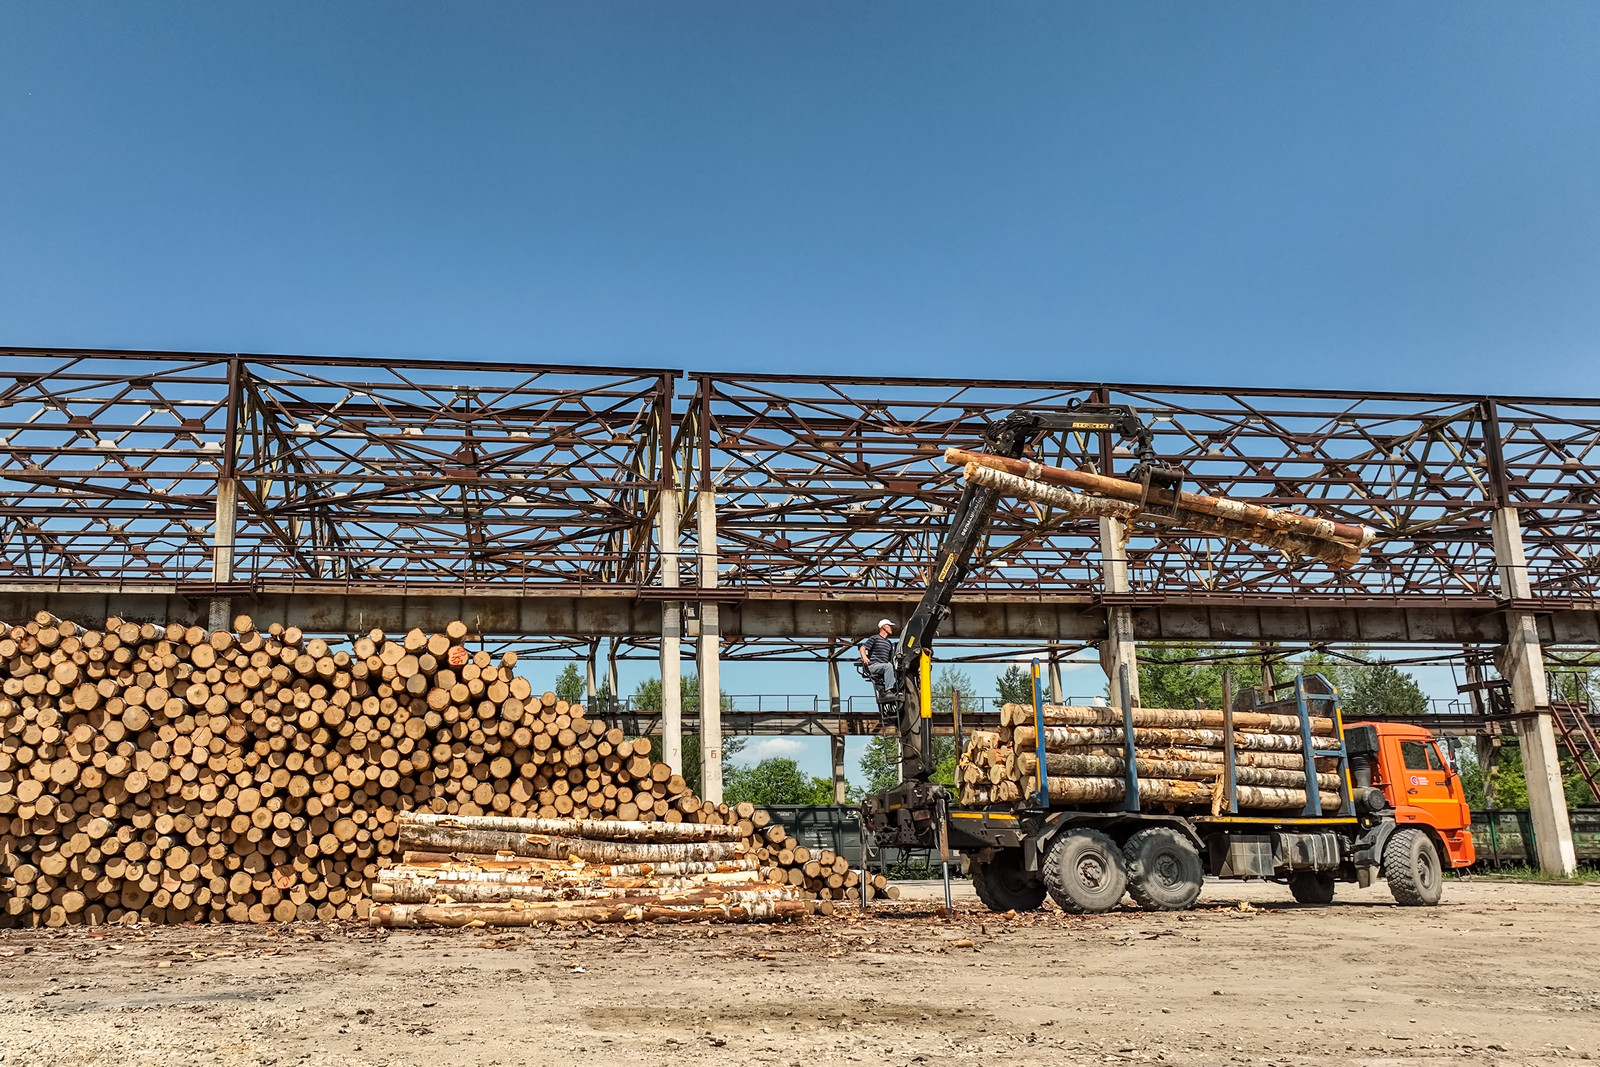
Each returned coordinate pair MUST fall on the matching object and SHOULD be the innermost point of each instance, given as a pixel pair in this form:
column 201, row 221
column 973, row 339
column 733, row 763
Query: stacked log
column 821, row 873
column 504, row 871
column 986, row 771
column 1180, row 759
column 167, row 773
column 1079, row 493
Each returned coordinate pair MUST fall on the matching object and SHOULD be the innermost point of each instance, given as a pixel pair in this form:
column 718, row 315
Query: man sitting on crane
column 877, row 658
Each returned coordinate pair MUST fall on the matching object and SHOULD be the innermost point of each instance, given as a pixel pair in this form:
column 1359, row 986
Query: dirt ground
column 1503, row 973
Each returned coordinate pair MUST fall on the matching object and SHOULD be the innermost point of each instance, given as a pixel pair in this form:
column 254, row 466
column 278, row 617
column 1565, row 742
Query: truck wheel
column 1312, row 887
column 1004, row 886
column 1164, row 872
column 1084, row 872
column 1412, row 866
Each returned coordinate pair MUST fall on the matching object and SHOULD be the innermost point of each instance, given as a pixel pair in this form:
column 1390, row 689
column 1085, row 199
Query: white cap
column 885, row 622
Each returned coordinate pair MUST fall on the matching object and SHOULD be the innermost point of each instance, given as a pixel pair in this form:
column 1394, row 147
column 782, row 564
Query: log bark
column 422, row 890
column 751, row 906
column 1064, row 738
column 513, row 865
column 591, row 829
column 543, row 846
column 1335, row 553
column 1354, row 534
column 1248, row 721
column 1068, row 765
column 1162, row 791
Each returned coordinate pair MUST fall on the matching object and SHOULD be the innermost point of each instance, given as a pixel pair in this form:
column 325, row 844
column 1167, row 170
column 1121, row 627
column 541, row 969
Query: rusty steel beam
column 396, row 476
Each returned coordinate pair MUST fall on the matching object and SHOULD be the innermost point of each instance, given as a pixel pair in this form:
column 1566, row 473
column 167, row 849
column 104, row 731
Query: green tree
column 1176, row 677
column 1016, row 685
column 775, row 781
column 1380, row 689
column 570, row 684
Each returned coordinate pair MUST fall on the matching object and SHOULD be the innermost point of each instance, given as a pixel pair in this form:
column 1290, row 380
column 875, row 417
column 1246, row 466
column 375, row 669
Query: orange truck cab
column 1400, row 767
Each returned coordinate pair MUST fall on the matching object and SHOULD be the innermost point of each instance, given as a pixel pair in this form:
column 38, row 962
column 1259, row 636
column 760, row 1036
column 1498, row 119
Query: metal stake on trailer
column 1130, row 799
column 1038, row 730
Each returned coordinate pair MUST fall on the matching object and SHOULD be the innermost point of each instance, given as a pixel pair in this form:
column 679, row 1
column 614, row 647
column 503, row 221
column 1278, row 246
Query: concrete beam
column 498, row 611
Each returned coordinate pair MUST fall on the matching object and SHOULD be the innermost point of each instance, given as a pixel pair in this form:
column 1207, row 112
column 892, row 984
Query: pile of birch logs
column 822, row 873
column 502, row 871
column 168, row 774
column 1179, row 757
column 1085, row 493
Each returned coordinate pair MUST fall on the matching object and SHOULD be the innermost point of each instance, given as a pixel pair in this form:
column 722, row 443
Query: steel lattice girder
column 840, row 484
column 385, row 475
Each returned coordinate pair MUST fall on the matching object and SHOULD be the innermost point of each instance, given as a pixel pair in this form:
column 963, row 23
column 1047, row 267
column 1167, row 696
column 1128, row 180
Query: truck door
column 1423, row 782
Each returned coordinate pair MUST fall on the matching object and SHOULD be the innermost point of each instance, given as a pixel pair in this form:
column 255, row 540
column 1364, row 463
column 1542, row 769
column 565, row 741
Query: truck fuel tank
column 1269, row 854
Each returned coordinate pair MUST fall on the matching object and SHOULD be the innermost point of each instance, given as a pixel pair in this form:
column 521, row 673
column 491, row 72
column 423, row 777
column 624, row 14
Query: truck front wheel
column 1003, row 885
column 1164, row 872
column 1411, row 863
column 1084, row 872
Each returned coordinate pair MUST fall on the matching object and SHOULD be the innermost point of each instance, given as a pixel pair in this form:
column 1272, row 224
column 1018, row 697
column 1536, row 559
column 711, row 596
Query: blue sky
column 1358, row 194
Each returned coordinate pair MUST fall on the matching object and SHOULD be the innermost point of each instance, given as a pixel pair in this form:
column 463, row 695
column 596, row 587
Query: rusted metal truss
column 839, row 484
column 382, row 473
column 360, row 472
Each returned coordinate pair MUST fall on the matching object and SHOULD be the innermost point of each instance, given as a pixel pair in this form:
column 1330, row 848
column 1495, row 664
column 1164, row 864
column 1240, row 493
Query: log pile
column 1180, row 759
column 501, row 871
column 821, row 873
column 167, row 774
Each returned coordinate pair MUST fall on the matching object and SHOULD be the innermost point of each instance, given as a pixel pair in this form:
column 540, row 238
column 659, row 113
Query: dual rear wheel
column 1085, row 871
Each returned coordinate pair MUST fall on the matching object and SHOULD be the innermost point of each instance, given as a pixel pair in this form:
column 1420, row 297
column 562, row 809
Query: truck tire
column 1411, row 863
column 1312, row 887
column 1085, row 872
column 1164, row 872
column 1003, row 885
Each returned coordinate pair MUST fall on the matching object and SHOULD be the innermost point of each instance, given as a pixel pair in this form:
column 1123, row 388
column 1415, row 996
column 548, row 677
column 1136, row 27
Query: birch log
column 589, row 829
column 1072, row 502
column 448, row 915
column 1353, row 534
column 1066, row 764
column 1244, row 721
column 544, row 846
column 1101, row 790
column 1063, row 738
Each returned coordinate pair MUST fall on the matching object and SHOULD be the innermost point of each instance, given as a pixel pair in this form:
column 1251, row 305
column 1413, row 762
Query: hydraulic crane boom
column 905, row 707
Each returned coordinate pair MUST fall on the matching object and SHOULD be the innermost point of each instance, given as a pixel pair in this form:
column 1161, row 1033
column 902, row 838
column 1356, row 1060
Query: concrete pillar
column 1118, row 650
column 836, row 709
column 611, row 665
column 589, row 686
column 839, row 784
column 671, row 639
column 222, row 541
column 709, row 653
column 1522, row 664
column 1056, row 696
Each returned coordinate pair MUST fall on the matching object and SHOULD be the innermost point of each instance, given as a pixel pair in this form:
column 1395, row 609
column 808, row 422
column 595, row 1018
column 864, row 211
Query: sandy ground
column 1504, row 973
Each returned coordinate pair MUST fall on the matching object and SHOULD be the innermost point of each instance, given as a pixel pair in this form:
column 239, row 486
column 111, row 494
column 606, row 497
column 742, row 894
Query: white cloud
column 771, row 747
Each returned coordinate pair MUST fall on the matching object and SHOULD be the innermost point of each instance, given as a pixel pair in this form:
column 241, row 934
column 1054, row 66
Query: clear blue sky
column 1374, row 194
column 1401, row 196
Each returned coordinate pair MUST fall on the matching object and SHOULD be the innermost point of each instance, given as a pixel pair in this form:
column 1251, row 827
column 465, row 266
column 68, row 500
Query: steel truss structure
column 529, row 497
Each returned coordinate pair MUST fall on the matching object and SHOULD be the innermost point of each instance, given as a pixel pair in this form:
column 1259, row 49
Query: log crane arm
column 904, row 815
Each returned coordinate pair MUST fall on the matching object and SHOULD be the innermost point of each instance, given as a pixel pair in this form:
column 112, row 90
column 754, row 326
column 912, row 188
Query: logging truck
column 1104, row 811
